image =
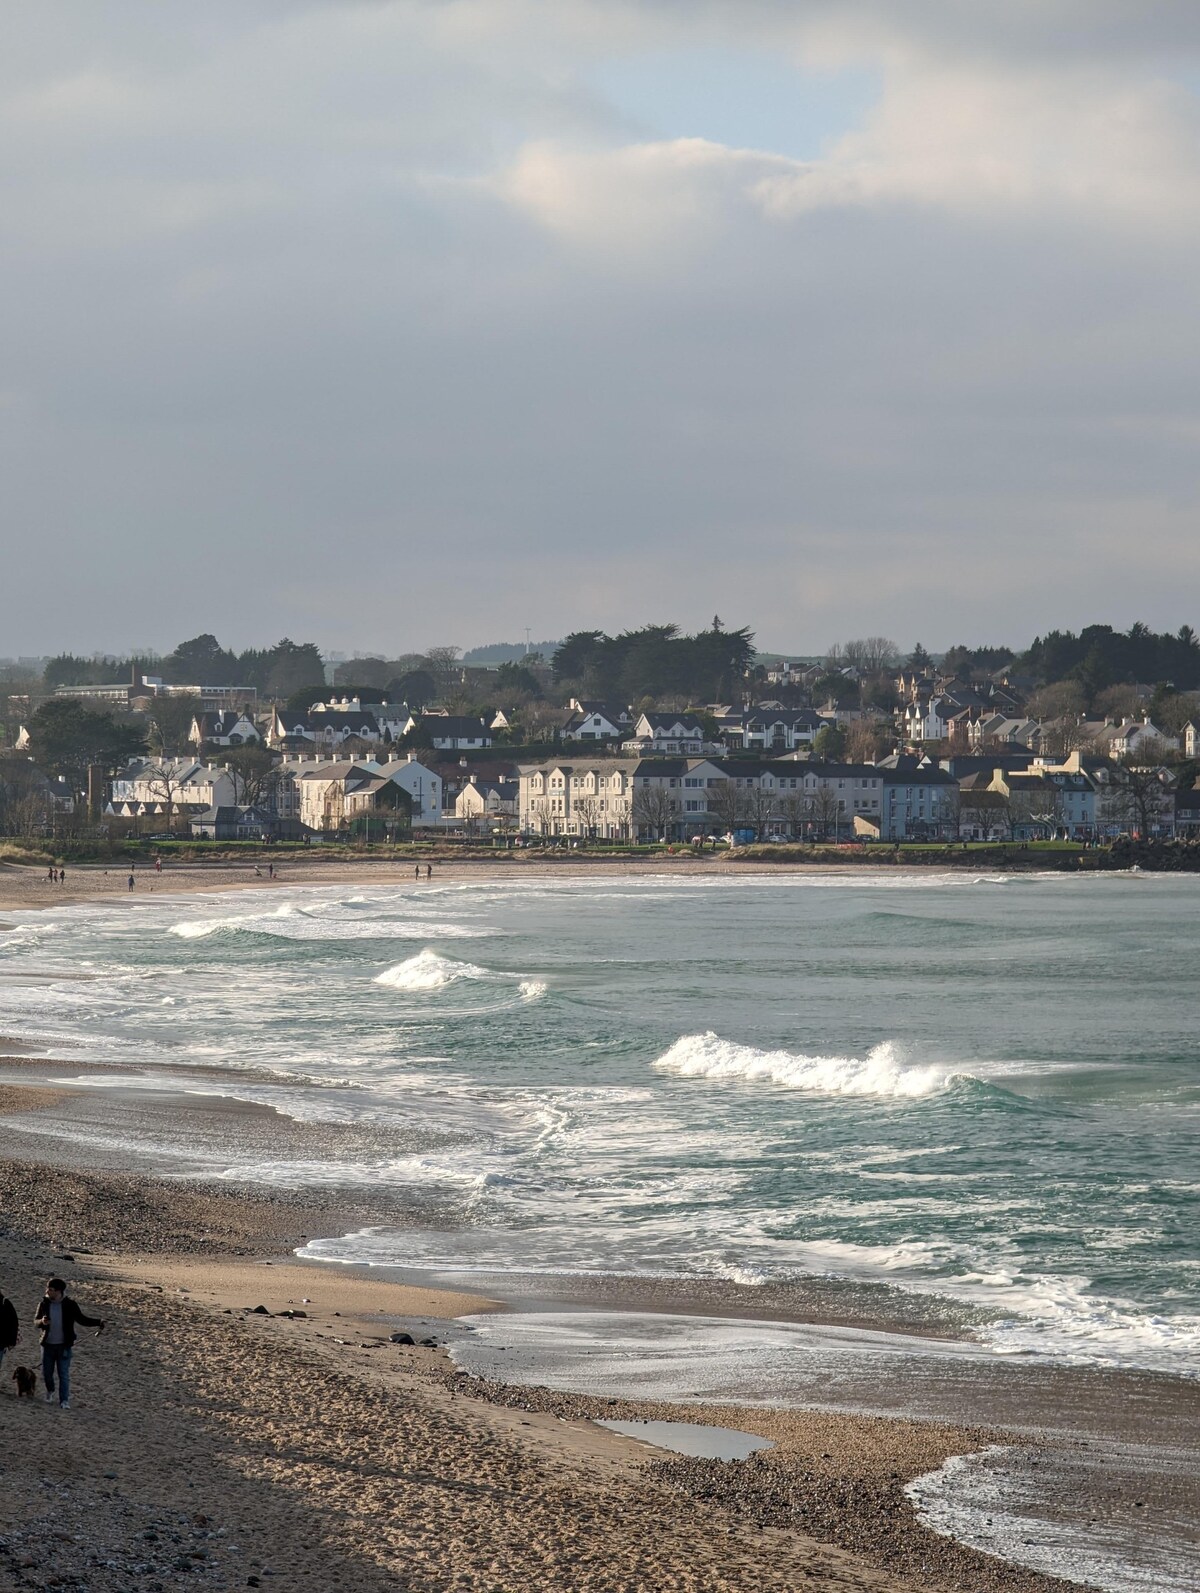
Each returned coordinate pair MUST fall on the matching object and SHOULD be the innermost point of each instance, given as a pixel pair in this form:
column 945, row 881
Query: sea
column 887, row 1135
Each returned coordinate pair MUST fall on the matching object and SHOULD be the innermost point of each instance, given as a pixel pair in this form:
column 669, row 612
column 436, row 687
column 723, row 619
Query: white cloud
column 365, row 301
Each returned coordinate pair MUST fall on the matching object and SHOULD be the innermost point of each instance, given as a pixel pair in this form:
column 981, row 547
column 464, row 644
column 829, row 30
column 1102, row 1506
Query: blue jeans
column 57, row 1357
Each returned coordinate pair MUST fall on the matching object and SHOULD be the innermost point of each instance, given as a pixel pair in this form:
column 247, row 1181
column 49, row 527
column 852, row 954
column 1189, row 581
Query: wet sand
column 318, row 1454
column 23, row 887
column 210, row 1436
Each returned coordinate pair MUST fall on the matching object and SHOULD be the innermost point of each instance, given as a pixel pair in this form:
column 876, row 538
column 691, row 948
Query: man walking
column 58, row 1317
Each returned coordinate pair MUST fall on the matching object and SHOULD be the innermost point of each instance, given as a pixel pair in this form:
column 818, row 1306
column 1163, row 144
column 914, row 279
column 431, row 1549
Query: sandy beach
column 247, row 1419
column 24, row 887
column 312, row 1452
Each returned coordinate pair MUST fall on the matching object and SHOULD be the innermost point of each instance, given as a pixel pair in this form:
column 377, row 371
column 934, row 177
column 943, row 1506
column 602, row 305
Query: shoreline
column 191, row 1310
column 151, row 1234
column 24, row 887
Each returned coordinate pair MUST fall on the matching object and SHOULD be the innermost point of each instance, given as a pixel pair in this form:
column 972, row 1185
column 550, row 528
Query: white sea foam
column 428, row 970
column 290, row 922
column 883, row 1071
column 994, row 1501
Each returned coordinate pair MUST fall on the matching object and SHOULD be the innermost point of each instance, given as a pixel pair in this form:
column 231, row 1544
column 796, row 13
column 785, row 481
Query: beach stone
column 403, row 1338
column 429, row 1344
column 258, row 1310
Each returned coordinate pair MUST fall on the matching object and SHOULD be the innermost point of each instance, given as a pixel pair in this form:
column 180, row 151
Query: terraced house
column 679, row 799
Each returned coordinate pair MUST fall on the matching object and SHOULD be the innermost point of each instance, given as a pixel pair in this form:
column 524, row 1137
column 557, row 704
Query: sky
column 400, row 323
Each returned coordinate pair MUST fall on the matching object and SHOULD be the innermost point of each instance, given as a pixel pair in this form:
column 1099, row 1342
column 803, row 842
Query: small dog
column 26, row 1380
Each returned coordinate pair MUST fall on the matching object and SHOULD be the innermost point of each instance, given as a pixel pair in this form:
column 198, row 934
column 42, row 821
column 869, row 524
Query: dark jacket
column 72, row 1317
column 10, row 1324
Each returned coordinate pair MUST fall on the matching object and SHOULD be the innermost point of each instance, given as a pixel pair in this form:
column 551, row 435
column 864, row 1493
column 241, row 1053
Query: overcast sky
column 390, row 323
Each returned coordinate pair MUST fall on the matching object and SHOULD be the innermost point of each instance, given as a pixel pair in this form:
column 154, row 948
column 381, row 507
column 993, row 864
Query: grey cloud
column 286, row 351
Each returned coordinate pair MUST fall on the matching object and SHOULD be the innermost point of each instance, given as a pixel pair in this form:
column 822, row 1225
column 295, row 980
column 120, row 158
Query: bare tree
column 162, row 784
column 1064, row 699
column 796, row 811
column 26, row 805
column 868, row 740
column 760, row 808
column 1137, row 794
column 442, row 663
column 826, row 811
column 1119, row 702
column 541, row 813
column 728, row 805
column 1061, row 737
column 256, row 776
column 587, row 815
column 871, row 654
column 653, row 809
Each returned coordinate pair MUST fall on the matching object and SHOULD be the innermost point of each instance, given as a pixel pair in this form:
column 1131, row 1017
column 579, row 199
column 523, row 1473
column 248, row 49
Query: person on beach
column 57, row 1318
column 429, row 871
column 416, row 870
column 10, row 1326
column 131, row 882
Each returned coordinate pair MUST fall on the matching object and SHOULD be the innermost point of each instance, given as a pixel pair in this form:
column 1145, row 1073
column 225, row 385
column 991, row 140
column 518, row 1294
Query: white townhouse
column 490, row 803
column 1126, row 738
column 165, row 786
column 778, row 730
column 329, row 792
column 998, row 730
column 595, row 721
column 303, row 784
column 450, row 732
column 587, row 797
column 323, row 727
column 228, row 727
column 666, row 734
column 786, row 798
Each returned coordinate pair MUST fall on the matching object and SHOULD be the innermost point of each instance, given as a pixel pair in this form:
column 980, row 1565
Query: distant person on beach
column 270, row 871
column 57, row 1318
column 50, row 875
column 62, row 874
column 131, row 882
column 158, row 865
column 416, row 871
column 429, row 871
column 10, row 1326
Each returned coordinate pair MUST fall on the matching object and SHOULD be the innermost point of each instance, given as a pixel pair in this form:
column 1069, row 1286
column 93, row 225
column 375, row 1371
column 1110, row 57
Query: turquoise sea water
column 981, row 1094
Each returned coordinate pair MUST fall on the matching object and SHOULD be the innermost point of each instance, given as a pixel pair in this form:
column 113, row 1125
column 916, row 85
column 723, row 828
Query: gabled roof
column 668, row 723
column 456, row 726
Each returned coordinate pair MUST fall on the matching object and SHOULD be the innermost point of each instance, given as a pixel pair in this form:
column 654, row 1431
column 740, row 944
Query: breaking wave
column 883, row 1071
column 290, row 922
column 428, row 971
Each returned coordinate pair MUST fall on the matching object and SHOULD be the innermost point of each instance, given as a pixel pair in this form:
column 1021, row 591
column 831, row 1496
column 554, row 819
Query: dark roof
column 974, row 762
column 455, row 725
column 669, row 721
column 662, row 767
column 351, row 720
